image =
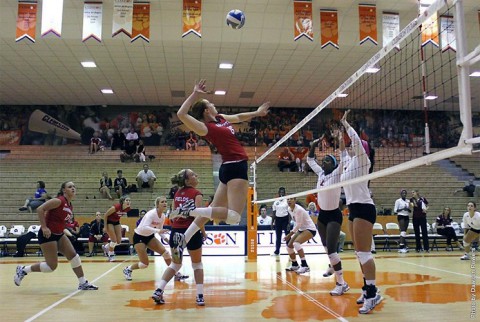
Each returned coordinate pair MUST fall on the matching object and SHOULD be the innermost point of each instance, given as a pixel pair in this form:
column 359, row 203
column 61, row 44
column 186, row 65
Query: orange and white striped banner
column 329, row 28
column 391, row 27
column 192, row 18
column 367, row 18
column 92, row 21
column 303, row 23
column 429, row 28
column 52, row 11
column 141, row 21
column 122, row 17
column 447, row 33
column 26, row 21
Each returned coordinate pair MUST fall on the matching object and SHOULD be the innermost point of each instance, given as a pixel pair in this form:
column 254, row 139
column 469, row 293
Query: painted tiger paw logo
column 219, row 239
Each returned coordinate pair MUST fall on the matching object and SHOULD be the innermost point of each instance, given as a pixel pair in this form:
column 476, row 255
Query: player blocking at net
column 231, row 194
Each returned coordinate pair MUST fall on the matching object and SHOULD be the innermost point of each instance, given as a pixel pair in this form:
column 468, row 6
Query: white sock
column 82, row 280
column 339, row 277
column 27, row 269
column 199, row 288
column 191, row 230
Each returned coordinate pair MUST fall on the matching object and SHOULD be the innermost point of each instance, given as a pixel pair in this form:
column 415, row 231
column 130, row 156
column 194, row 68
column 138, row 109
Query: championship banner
column 192, row 18
column 122, row 17
column 391, row 27
column 44, row 123
column 92, row 21
column 26, row 21
column 447, row 33
column 303, row 23
column 52, row 11
column 12, row 137
column 429, row 28
column 329, row 28
column 367, row 18
column 141, row 21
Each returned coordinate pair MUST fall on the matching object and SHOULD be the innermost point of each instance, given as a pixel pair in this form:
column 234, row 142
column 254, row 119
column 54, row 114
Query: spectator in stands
column 132, row 136
column 141, row 215
column 471, row 230
column 71, row 226
column 120, row 184
column 263, row 219
column 312, row 210
column 139, row 155
column 286, row 160
column 299, row 154
column 419, row 206
column 129, row 152
column 95, row 143
column 97, row 233
column 312, row 197
column 52, row 240
column 146, row 178
column 444, row 228
column 281, row 219
column 105, row 186
column 471, row 189
column 402, row 209
column 118, row 140
column 113, row 227
column 191, row 142
column 38, row 199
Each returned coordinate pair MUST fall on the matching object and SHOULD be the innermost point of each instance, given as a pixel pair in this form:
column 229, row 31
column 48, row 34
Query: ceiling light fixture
column 225, row 66
column 372, row 70
column 342, row 95
column 475, row 74
column 220, row 92
column 88, row 64
column 431, row 97
column 107, row 91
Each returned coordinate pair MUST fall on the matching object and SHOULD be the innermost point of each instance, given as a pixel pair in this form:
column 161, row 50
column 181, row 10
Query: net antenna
column 463, row 63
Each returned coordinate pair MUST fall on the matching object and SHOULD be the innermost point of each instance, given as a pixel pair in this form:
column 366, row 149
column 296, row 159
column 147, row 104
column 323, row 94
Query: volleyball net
column 411, row 102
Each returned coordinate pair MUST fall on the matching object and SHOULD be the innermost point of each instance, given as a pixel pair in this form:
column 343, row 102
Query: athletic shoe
column 127, row 272
column 90, row 254
column 111, row 258
column 465, row 257
column 158, row 296
column 23, row 208
column 275, row 254
column 292, row 268
column 105, row 250
column 179, row 244
column 361, row 298
column 87, row 286
column 339, row 289
column 369, row 304
column 183, row 210
column 329, row 271
column 403, row 250
column 303, row 269
column 180, row 277
column 200, row 300
column 19, row 275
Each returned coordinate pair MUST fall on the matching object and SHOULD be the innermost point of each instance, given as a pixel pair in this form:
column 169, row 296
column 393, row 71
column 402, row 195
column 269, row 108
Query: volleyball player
column 330, row 217
column 229, row 199
column 52, row 240
column 471, row 224
column 113, row 227
column 362, row 216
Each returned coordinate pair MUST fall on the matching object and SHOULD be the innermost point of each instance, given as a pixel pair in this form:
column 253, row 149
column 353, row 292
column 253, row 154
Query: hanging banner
column 303, row 23
column 391, row 27
column 192, row 18
column 26, row 21
column 92, row 21
column 367, row 18
column 52, row 11
column 447, row 33
column 141, row 21
column 44, row 123
column 329, row 28
column 429, row 28
column 122, row 17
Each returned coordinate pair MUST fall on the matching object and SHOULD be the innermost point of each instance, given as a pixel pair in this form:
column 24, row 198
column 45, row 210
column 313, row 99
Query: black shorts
column 139, row 239
column 145, row 185
column 53, row 237
column 234, row 170
column 362, row 210
column 195, row 243
column 115, row 223
column 326, row 216
column 475, row 230
column 314, row 232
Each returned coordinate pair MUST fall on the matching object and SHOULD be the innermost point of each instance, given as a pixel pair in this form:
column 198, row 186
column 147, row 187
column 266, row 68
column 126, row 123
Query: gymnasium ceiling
column 268, row 64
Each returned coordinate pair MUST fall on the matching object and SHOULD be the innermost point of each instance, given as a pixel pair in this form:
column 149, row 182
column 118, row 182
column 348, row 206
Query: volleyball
column 235, row 19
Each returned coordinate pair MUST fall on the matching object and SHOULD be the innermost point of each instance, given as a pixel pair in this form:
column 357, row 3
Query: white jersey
column 280, row 207
column 151, row 223
column 357, row 166
column 328, row 200
column 264, row 221
column 302, row 219
column 401, row 204
column 472, row 222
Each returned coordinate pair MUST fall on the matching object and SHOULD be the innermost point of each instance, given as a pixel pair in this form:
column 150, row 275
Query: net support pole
column 251, row 226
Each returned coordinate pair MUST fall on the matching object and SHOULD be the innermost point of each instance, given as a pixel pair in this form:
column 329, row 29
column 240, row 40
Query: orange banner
column 192, row 17
column 429, row 29
column 141, row 21
column 26, row 21
column 303, row 23
column 329, row 28
column 367, row 18
column 10, row 137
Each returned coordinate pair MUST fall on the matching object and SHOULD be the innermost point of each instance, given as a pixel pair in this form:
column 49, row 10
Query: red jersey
column 119, row 212
column 182, row 195
column 222, row 135
column 55, row 218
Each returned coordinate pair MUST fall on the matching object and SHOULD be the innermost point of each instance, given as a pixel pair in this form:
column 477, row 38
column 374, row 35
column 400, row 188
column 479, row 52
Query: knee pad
column 364, row 257
column 297, row 246
column 112, row 244
column 166, row 255
column 44, row 268
column 403, row 234
column 196, row 266
column 176, row 267
column 233, row 217
column 142, row 265
column 76, row 261
column 334, row 258
column 290, row 250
